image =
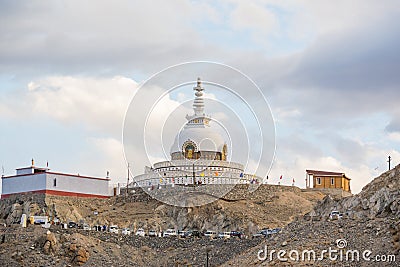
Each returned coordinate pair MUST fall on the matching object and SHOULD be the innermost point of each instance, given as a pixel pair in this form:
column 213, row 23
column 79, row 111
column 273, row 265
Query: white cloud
column 250, row 15
column 95, row 103
column 75, row 37
column 328, row 16
column 106, row 155
column 395, row 136
column 284, row 114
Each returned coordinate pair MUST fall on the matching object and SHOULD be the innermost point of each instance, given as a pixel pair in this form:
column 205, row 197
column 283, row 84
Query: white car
column 126, row 231
column 182, row 233
column 113, row 229
column 170, row 232
column 152, row 233
column 210, row 234
column 86, row 227
column 140, row 232
column 335, row 215
column 224, row 235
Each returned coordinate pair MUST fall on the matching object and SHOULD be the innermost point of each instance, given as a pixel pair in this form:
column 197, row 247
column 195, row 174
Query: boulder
column 14, row 214
column 78, row 252
column 395, row 230
column 82, row 256
column 50, row 244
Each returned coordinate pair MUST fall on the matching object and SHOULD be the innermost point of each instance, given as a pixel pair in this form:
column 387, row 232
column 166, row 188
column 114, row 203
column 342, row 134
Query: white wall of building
column 25, row 183
column 77, row 184
column 64, row 183
column 22, row 171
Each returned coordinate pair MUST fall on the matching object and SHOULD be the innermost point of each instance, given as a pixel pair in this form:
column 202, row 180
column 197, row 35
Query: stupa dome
column 203, row 139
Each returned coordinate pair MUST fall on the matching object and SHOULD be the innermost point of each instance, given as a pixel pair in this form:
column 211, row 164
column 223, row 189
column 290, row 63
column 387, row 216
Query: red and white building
column 42, row 181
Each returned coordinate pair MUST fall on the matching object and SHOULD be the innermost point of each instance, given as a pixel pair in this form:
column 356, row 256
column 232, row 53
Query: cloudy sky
column 330, row 71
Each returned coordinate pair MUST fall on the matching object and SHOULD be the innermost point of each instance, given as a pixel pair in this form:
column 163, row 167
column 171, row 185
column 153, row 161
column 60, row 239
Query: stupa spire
column 199, row 118
column 198, row 103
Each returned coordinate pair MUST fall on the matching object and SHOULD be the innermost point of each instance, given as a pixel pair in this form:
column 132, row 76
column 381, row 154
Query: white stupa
column 198, row 155
column 198, row 140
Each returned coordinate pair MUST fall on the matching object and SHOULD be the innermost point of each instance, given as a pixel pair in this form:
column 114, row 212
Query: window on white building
column 55, row 182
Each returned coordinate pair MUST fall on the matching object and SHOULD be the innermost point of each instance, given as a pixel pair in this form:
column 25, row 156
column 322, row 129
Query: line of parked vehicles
column 173, row 232
column 153, row 233
column 189, row 233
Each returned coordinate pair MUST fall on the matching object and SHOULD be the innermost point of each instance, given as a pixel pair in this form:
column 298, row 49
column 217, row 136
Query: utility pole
column 194, row 177
column 389, row 160
column 208, row 250
column 127, row 182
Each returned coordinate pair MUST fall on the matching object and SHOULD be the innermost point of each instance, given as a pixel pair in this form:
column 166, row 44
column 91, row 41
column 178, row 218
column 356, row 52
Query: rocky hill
column 36, row 246
column 380, row 198
column 370, row 222
column 268, row 206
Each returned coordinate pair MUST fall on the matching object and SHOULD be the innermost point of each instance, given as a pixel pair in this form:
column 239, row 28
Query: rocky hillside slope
column 36, row 246
column 343, row 236
column 371, row 221
column 269, row 206
column 380, row 198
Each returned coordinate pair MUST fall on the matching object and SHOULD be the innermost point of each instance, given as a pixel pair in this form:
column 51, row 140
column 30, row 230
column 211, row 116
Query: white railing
column 198, row 163
column 170, row 178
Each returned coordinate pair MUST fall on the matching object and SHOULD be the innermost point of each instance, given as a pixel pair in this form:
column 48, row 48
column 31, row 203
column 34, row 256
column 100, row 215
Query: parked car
column 210, row 234
column 259, row 234
column 96, row 228
column 152, row 233
column 72, row 225
column 126, row 231
column 170, row 232
column 46, row 225
column 237, row 234
column 335, row 215
column 38, row 219
column 86, row 227
column 113, row 229
column 192, row 233
column 276, row 230
column 266, row 232
column 56, row 221
column 224, row 235
column 181, row 233
column 140, row 232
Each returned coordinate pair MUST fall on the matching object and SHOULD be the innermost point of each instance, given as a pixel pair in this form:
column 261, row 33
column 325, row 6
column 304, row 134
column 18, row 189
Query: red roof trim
column 56, row 193
column 58, row 173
